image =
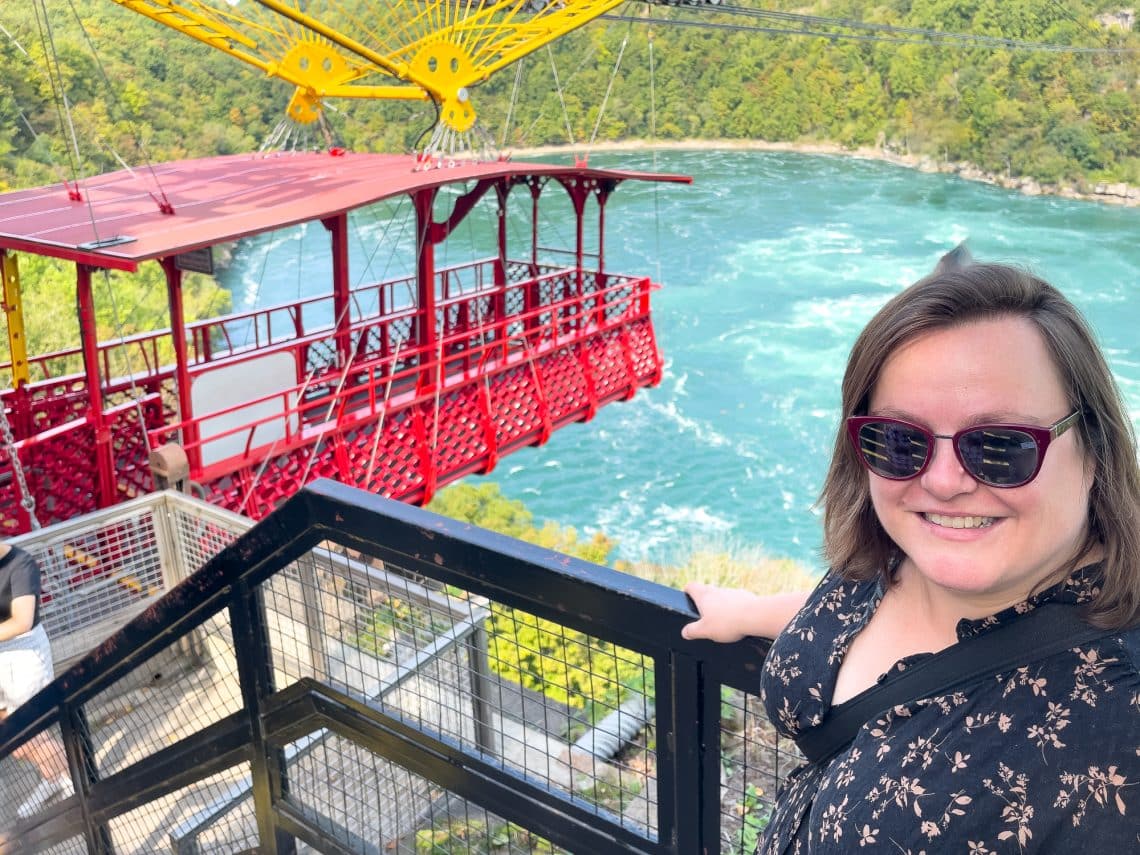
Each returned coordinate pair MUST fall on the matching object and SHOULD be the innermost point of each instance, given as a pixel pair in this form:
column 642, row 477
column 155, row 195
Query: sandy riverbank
column 1110, row 194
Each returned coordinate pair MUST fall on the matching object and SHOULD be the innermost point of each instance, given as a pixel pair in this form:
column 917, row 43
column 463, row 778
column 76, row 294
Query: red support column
column 575, row 314
column 603, row 195
column 603, row 297
column 578, row 192
column 602, row 198
column 190, row 433
column 338, row 229
column 104, row 464
column 499, row 300
column 535, row 192
column 426, row 333
column 531, row 293
column 427, row 336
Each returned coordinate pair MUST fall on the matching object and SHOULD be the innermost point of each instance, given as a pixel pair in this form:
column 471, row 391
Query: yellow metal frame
column 14, row 310
column 435, row 49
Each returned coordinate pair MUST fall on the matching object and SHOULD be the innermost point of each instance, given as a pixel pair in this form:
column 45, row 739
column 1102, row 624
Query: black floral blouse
column 1042, row 759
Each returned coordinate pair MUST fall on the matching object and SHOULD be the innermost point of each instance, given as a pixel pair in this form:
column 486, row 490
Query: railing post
column 311, row 597
column 255, row 672
column 688, row 711
column 80, row 751
column 480, row 689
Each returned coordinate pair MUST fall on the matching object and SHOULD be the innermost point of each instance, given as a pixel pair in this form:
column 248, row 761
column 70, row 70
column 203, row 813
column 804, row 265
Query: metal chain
column 27, row 500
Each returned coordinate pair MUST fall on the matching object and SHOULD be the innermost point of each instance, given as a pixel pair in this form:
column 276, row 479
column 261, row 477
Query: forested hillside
column 134, row 86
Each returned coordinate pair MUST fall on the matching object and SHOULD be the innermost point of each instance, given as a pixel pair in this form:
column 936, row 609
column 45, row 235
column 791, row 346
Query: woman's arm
column 729, row 614
column 23, row 614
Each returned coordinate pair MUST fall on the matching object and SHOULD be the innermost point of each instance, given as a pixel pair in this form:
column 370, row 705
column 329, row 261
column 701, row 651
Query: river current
column 771, row 263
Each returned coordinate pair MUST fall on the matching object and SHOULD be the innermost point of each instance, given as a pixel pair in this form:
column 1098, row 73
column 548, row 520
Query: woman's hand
column 730, row 614
column 719, row 607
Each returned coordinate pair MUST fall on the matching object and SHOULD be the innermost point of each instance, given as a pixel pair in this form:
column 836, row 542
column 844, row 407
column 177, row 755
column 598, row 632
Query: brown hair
column 856, row 545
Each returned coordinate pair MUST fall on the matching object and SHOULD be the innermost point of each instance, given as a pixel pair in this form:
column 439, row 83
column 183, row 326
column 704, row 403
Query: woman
column 985, row 466
column 25, row 668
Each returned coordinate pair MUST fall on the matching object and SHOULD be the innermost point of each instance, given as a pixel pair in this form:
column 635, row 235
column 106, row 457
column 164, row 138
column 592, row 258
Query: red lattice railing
column 411, row 406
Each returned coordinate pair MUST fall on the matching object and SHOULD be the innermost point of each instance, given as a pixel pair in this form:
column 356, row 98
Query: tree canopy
column 138, row 91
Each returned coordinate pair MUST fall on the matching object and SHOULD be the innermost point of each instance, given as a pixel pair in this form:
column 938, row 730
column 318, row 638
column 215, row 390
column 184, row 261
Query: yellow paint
column 14, row 309
column 442, row 68
column 437, row 49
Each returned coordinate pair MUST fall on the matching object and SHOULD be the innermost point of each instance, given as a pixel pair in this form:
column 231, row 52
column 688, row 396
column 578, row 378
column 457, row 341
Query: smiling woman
column 971, row 547
column 986, row 468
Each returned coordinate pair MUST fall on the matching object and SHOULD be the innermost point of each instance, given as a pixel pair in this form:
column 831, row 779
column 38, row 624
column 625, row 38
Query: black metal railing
column 364, row 676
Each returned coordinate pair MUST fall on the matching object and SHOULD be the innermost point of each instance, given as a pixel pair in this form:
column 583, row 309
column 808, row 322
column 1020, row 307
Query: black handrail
column 636, row 614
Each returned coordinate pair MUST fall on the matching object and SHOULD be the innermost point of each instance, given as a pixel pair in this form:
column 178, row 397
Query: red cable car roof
column 119, row 219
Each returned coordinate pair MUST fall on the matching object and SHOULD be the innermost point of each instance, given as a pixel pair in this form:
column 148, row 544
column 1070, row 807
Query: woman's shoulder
column 1125, row 645
column 15, row 561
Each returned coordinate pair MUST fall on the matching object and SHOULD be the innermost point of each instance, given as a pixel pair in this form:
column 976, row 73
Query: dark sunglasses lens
column 893, row 450
column 998, row 456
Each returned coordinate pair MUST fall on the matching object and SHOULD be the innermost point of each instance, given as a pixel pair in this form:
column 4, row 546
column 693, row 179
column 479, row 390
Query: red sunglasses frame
column 1042, row 436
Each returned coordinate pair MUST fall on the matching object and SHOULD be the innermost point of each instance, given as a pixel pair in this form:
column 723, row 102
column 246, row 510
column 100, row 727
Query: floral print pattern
column 1044, row 758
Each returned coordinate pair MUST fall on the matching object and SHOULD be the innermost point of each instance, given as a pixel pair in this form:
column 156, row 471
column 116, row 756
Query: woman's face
column 987, row 546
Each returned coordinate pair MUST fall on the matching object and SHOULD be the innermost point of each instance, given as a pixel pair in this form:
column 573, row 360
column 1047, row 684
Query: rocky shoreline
column 1109, row 194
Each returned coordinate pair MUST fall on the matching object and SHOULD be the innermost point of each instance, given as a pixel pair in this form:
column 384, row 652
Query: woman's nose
column 944, row 476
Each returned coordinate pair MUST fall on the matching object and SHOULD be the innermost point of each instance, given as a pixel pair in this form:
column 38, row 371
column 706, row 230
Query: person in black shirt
column 25, row 668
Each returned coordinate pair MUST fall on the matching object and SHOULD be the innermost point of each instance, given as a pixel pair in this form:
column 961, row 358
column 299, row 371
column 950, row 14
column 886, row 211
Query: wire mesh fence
column 408, row 705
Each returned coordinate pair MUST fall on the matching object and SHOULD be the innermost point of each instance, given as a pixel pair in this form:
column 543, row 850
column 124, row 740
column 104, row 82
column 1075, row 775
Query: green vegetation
column 569, row 667
column 473, row 837
column 1054, row 116
column 717, row 563
column 141, row 93
column 125, row 304
column 755, row 814
column 392, row 619
column 613, row 796
column 729, row 564
column 484, row 505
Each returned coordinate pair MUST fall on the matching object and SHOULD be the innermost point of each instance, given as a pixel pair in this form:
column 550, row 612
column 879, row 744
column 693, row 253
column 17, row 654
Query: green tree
column 484, row 505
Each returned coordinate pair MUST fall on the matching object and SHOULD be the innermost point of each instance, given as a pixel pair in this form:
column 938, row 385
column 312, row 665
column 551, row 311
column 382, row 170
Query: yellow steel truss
column 433, row 49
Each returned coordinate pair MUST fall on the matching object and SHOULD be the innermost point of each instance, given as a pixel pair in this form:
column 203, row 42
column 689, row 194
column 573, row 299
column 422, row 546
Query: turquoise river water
column 771, row 263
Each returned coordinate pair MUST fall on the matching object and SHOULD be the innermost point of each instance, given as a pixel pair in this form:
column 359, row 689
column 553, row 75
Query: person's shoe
column 43, row 793
column 66, row 788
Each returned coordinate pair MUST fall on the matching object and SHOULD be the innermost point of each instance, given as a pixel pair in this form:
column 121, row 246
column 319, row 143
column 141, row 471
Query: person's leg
column 45, row 752
column 23, row 672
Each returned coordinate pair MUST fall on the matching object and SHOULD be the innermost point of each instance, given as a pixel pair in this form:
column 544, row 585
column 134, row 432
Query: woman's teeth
column 959, row 522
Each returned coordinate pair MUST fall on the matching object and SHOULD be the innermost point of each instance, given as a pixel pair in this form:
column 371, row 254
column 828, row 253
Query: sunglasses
column 996, row 455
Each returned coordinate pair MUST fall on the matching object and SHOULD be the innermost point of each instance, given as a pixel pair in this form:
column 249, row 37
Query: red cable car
column 397, row 386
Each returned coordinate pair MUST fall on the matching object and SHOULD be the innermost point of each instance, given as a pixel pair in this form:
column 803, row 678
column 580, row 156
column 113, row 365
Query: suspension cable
column 378, row 430
column 609, row 88
column 586, row 57
column 512, row 103
column 161, row 198
column 561, row 98
column 653, row 149
column 56, row 79
column 59, row 96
